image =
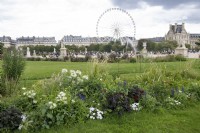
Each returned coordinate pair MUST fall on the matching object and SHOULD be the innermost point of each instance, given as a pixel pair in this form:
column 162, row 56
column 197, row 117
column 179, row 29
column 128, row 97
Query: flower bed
column 70, row 97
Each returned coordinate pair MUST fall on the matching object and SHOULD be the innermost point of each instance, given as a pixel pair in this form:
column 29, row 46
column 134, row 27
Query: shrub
column 112, row 58
column 65, row 111
column 12, row 68
column 159, row 91
column 180, row 58
column 133, row 60
column 118, row 102
column 136, row 94
column 148, row 102
column 78, row 59
column 194, row 91
column 10, row 119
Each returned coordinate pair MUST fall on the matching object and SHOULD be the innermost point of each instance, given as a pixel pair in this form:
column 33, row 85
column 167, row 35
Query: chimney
column 183, row 25
column 170, row 27
column 175, row 27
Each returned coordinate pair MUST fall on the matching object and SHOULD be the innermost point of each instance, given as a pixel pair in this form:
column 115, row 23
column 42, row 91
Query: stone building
column 27, row 41
column 178, row 33
column 7, row 41
column 79, row 40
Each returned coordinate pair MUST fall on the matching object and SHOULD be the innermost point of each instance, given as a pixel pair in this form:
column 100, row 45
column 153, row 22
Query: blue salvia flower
column 172, row 92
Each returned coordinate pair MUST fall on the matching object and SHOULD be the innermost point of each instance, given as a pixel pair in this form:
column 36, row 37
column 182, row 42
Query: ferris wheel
column 116, row 24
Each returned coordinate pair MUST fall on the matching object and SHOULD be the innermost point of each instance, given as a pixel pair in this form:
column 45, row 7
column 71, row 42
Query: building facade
column 178, row 33
column 7, row 41
column 27, row 41
column 83, row 41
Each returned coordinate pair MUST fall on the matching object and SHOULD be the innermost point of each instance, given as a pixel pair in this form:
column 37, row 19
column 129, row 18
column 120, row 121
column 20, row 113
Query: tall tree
column 198, row 43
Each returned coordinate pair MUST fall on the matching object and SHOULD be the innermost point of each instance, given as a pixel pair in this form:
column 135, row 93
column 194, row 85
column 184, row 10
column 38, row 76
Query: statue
column 54, row 51
column 34, row 53
column 28, row 54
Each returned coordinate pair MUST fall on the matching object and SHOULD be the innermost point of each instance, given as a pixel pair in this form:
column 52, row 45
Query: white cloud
column 51, row 17
column 77, row 17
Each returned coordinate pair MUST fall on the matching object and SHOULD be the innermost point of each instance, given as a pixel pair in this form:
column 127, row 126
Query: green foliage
column 132, row 60
column 194, row 91
column 198, row 43
column 10, row 119
column 118, row 102
column 169, row 58
column 41, row 49
column 157, row 47
column 1, row 49
column 12, row 67
column 149, row 102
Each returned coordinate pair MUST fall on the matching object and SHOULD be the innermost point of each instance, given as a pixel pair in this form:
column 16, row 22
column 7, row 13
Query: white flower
column 34, row 101
column 95, row 113
column 23, row 88
column 20, row 127
column 72, row 71
column 64, row 71
column 73, row 101
column 62, row 94
column 78, row 72
column 62, row 97
column 23, row 118
column 52, row 105
column 79, row 79
column 135, row 106
column 85, row 77
column 91, row 109
column 30, row 94
column 74, row 75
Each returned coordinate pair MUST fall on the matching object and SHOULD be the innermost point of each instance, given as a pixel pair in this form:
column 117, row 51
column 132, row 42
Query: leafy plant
column 12, row 68
column 118, row 102
column 136, row 94
column 10, row 119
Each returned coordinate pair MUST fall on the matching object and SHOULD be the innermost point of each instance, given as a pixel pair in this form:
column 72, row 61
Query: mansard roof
column 178, row 29
column 5, row 39
column 36, row 39
column 195, row 35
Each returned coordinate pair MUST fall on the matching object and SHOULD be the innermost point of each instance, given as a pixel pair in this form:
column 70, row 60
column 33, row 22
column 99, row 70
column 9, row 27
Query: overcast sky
column 79, row 17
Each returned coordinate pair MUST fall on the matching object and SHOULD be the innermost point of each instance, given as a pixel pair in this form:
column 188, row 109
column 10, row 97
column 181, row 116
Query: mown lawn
column 39, row 70
column 164, row 121
column 186, row 120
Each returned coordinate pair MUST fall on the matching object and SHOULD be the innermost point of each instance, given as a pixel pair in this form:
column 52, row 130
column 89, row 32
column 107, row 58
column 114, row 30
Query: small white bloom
column 135, row 106
column 20, row 127
column 23, row 118
column 91, row 109
column 78, row 72
column 73, row 101
column 85, row 77
column 64, row 70
column 79, row 79
column 74, row 75
column 23, row 88
column 34, row 101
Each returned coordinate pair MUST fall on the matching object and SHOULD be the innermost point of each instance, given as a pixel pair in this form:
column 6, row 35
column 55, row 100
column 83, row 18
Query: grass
column 176, row 121
column 39, row 70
